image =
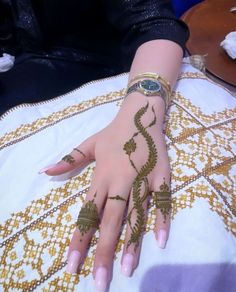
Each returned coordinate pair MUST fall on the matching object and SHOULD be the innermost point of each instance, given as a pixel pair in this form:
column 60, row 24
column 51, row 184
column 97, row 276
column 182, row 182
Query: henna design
column 117, row 197
column 141, row 179
column 130, row 146
column 82, row 153
column 88, row 217
column 162, row 200
column 69, row 159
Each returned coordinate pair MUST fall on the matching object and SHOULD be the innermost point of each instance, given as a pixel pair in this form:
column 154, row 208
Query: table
column 209, row 22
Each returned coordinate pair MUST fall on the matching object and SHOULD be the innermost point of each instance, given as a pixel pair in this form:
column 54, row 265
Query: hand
column 131, row 161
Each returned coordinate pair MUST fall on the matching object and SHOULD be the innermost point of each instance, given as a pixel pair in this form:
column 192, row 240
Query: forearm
column 159, row 56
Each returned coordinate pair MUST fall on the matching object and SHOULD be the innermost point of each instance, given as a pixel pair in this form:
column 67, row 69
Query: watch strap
column 134, row 87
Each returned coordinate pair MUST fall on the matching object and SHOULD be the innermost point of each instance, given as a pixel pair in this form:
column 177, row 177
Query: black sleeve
column 139, row 21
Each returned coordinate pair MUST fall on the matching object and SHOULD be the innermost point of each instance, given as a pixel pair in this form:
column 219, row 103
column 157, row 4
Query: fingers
column 109, row 233
column 136, row 220
column 86, row 224
column 162, row 200
column 77, row 158
column 110, row 227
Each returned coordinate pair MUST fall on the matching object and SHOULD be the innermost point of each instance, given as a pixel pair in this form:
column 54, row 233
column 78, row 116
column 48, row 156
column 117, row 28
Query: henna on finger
column 117, row 197
column 69, row 159
column 88, row 217
column 81, row 152
column 163, row 200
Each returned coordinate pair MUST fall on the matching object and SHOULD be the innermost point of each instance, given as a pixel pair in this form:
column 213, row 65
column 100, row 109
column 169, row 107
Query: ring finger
column 87, row 223
column 162, row 200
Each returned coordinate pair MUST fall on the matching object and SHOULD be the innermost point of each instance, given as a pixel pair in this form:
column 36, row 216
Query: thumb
column 77, row 158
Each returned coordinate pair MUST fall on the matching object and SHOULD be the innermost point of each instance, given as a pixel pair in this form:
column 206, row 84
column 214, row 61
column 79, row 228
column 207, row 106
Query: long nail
column 161, row 238
column 127, row 265
column 101, row 279
column 46, row 168
column 73, row 262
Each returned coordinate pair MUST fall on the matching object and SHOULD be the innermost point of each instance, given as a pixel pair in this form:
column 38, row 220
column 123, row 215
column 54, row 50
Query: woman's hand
column 131, row 161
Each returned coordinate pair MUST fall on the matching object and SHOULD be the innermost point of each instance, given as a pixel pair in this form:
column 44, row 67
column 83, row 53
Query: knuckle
column 158, row 178
column 162, row 170
column 111, row 219
column 101, row 255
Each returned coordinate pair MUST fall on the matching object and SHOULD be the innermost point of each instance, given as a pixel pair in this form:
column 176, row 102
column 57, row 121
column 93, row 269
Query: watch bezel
column 147, row 91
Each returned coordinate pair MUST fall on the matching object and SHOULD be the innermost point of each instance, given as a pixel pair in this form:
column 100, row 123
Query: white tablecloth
column 38, row 212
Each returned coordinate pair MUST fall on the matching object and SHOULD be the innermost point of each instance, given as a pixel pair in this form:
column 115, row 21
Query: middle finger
column 136, row 221
column 109, row 232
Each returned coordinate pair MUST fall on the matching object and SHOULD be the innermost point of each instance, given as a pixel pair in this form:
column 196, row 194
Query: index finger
column 77, row 158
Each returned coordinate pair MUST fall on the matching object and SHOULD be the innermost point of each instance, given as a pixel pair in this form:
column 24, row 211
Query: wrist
column 134, row 101
column 151, row 84
column 139, row 98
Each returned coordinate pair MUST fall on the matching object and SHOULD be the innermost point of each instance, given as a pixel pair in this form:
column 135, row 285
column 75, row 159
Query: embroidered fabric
column 39, row 213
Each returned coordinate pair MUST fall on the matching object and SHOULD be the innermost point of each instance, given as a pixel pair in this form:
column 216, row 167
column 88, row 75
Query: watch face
column 150, row 85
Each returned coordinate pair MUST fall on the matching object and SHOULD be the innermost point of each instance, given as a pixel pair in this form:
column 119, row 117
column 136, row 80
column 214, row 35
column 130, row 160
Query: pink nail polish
column 46, row 168
column 101, row 279
column 73, row 262
column 161, row 238
column 127, row 265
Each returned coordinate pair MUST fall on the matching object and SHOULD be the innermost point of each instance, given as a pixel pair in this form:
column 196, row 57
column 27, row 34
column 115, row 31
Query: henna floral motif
column 88, row 217
column 130, row 146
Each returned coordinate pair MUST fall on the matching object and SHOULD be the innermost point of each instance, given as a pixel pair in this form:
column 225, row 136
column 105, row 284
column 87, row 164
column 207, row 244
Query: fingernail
column 127, row 265
column 161, row 238
column 101, row 279
column 46, row 168
column 73, row 262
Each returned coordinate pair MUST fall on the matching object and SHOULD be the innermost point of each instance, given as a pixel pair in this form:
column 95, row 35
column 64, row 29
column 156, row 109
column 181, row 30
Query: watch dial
column 150, row 85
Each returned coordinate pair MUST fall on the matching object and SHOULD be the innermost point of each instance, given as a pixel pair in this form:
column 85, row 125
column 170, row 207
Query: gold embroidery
column 203, row 166
column 27, row 130
column 199, row 116
column 185, row 198
column 38, row 125
column 46, row 204
column 24, row 105
column 197, row 76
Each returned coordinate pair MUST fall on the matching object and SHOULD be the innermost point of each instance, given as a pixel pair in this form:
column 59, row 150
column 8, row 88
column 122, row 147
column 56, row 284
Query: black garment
column 61, row 44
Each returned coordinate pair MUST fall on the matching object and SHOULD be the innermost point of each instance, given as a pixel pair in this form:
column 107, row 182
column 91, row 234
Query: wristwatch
column 149, row 87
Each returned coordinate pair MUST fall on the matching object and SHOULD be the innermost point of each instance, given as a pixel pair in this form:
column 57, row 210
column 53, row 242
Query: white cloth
column 6, row 62
column 38, row 212
column 229, row 44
